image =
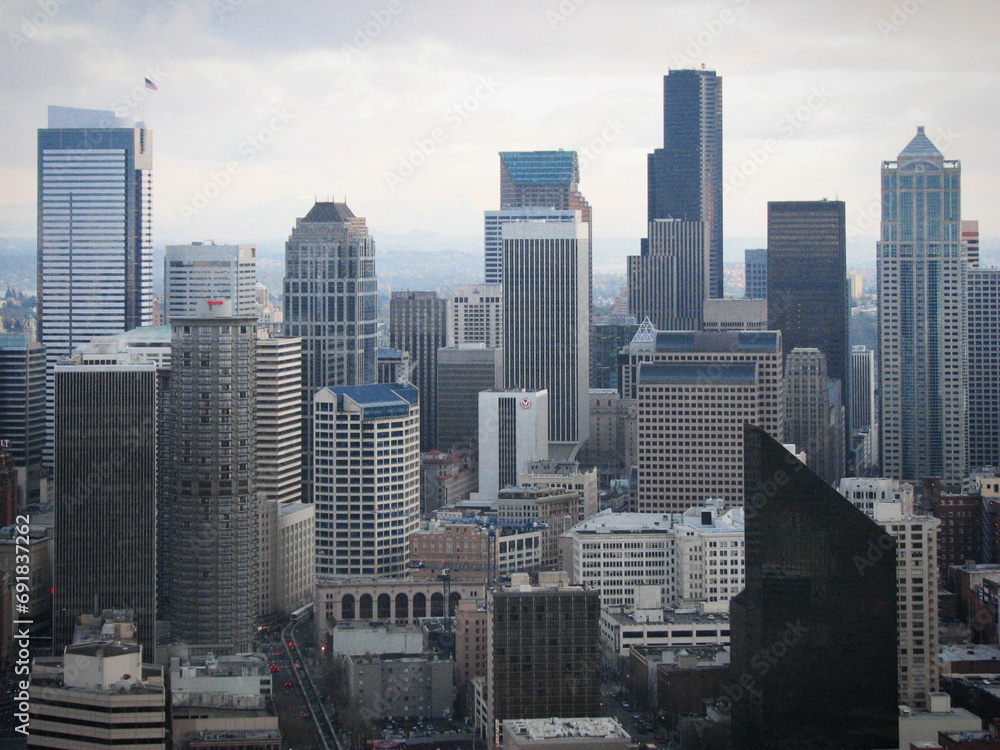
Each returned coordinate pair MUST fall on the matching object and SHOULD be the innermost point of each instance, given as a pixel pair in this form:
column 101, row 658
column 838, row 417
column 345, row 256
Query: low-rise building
column 664, row 629
column 386, row 599
column 230, row 694
column 618, row 552
column 598, row 733
column 446, row 478
column 401, row 686
column 940, row 716
column 359, row 638
column 566, row 476
column 97, row 695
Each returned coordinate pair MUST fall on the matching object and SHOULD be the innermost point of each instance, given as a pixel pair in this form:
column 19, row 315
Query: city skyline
column 828, row 102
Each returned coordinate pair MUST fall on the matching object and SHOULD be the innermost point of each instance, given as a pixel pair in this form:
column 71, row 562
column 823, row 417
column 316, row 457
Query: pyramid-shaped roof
column 920, row 146
column 646, row 333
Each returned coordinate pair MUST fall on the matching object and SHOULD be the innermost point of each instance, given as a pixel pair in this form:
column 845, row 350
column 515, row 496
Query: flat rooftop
column 547, row 729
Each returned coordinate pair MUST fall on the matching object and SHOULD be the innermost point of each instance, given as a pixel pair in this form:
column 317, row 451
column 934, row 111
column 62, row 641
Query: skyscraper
column 819, row 610
column 546, row 179
column 106, row 493
column 210, row 561
column 685, row 176
column 546, row 298
column 922, row 274
column 22, row 410
column 738, row 374
column 513, row 431
column 984, row 363
column 331, row 303
column 279, row 418
column 95, row 252
column 807, row 279
column 475, row 311
column 418, row 323
column 755, row 273
column 366, row 510
column 669, row 282
column 493, row 231
column 862, row 413
column 464, row 371
column 814, row 413
column 542, row 658
column 199, row 271
column 970, row 238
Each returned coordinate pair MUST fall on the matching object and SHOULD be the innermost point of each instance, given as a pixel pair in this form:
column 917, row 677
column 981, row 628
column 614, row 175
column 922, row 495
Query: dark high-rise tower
column 418, row 324
column 106, row 492
column 807, row 279
column 331, row 303
column 211, row 548
column 22, row 410
column 814, row 650
column 543, row 653
column 685, row 176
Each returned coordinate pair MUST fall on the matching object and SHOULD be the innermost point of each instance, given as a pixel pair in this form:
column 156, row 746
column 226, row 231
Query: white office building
column 201, row 271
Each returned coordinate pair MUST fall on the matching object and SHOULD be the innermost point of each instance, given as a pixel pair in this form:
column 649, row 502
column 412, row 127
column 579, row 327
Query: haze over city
column 401, row 107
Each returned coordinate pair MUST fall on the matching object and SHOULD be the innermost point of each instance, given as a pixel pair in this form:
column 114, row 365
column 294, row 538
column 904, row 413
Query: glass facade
column 685, row 176
column 814, row 633
column 95, row 251
column 922, row 277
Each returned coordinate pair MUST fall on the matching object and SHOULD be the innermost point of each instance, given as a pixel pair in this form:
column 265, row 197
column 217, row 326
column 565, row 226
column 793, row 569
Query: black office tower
column 814, row 631
column 807, row 279
column 685, row 176
column 106, row 496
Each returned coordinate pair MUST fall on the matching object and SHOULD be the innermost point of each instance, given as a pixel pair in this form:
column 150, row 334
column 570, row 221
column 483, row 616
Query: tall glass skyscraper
column 685, row 176
column 331, row 303
column 95, row 252
column 807, row 282
column 922, row 270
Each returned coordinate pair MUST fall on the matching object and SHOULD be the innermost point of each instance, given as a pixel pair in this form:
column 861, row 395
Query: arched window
column 402, row 607
column 347, row 607
column 365, row 607
column 383, row 607
column 437, row 604
column 419, row 605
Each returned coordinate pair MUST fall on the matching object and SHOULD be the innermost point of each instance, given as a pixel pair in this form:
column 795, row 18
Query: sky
column 401, row 106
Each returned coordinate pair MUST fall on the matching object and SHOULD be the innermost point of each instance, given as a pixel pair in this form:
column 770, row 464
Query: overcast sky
column 401, row 106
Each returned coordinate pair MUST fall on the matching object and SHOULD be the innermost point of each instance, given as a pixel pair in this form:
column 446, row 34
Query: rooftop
column 541, row 167
column 697, row 372
column 328, row 212
column 545, row 729
column 609, row 522
column 920, row 146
